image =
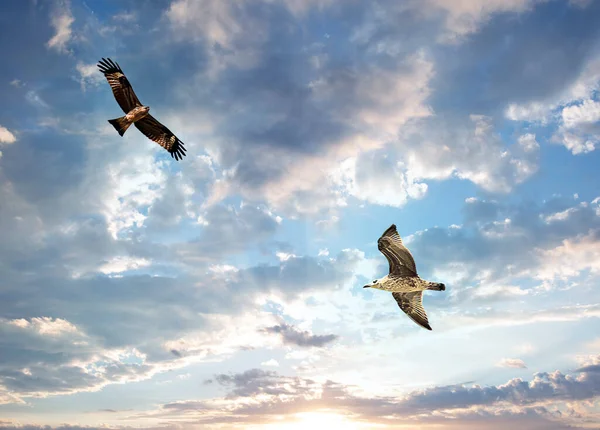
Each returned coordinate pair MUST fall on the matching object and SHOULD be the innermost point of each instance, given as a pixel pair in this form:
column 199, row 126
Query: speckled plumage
column 404, row 284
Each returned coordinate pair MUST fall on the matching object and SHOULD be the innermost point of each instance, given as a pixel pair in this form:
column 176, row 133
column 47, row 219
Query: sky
column 224, row 291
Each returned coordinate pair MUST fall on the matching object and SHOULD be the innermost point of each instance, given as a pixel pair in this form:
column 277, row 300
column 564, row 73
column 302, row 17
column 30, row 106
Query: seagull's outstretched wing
column 412, row 305
column 401, row 260
column 160, row 134
column 120, row 85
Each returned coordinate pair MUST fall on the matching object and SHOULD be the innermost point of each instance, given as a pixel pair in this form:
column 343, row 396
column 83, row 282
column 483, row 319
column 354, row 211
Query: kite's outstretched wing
column 401, row 260
column 160, row 134
column 412, row 305
column 119, row 84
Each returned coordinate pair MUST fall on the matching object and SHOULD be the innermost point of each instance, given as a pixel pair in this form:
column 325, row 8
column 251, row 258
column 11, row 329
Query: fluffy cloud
column 336, row 110
column 512, row 362
column 61, row 20
column 89, row 75
column 573, row 109
column 380, row 104
column 354, row 112
column 586, row 112
column 473, row 152
column 571, row 257
column 6, row 136
column 45, row 356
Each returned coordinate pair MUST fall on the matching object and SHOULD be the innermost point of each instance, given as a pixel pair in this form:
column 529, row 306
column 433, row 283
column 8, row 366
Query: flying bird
column 402, row 281
column 136, row 113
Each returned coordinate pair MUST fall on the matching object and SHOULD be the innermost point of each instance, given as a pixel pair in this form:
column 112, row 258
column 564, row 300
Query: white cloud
column 586, row 112
column 222, row 336
column 122, row 264
column 89, row 75
column 532, row 112
column 284, row 256
column 135, row 183
column 475, row 153
column 512, row 362
column 576, row 143
column 570, row 258
column 6, row 136
column 573, row 109
column 465, row 17
column 271, row 363
column 375, row 179
column 579, row 131
column 46, row 326
column 222, row 268
column 61, row 19
column 385, row 102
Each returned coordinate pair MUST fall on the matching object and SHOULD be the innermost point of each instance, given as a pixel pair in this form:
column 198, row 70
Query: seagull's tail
column 120, row 124
column 436, row 286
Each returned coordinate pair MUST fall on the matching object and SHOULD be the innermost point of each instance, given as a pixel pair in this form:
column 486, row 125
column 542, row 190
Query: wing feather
column 160, row 134
column 399, row 257
column 412, row 305
column 119, row 84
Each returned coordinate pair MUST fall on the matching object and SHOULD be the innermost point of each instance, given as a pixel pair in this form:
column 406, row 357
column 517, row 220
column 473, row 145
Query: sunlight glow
column 321, row 420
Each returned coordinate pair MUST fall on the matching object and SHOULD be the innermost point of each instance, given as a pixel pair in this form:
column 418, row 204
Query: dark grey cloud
column 299, row 274
column 229, row 230
column 256, row 381
column 590, row 368
column 544, row 387
column 516, row 60
column 292, row 336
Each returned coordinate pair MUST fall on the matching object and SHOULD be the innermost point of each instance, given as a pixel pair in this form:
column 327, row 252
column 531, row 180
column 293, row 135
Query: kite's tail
column 120, row 124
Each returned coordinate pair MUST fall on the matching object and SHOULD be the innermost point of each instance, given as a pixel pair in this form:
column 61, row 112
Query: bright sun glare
column 319, row 420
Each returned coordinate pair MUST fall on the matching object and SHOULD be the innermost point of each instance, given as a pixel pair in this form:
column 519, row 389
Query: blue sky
column 225, row 291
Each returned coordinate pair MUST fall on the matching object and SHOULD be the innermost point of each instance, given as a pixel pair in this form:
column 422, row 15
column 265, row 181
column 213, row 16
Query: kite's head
column 146, row 108
column 373, row 284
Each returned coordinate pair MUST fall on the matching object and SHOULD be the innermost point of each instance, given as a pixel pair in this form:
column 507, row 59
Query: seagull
column 136, row 113
column 404, row 283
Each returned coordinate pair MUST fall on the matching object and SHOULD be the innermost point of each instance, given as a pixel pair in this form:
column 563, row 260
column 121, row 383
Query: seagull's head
column 374, row 284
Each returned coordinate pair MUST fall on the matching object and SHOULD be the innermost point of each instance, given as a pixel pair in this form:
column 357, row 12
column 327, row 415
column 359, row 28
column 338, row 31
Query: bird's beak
column 366, row 286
